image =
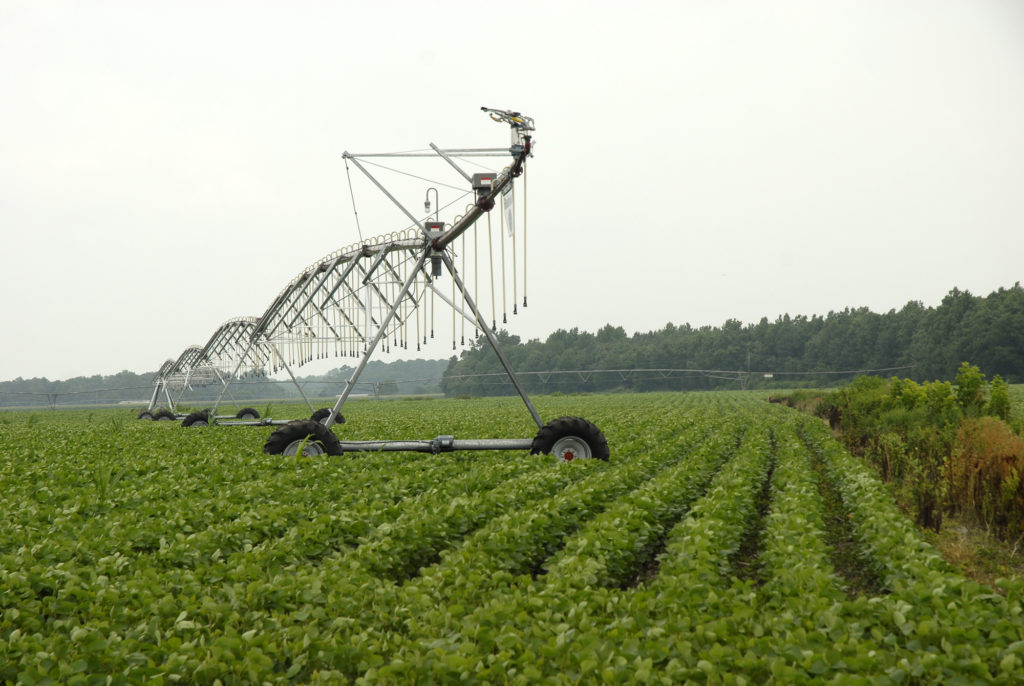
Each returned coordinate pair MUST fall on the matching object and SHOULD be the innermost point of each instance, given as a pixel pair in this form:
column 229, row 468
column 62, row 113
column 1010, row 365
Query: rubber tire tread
column 324, row 413
column 145, row 414
column 199, row 415
column 549, row 434
column 164, row 414
column 298, row 429
column 249, row 411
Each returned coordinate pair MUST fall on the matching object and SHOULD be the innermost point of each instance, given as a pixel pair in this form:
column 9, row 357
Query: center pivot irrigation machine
column 205, row 366
column 384, row 292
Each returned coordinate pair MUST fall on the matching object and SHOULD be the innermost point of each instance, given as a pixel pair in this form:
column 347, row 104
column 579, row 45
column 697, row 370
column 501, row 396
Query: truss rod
column 469, row 317
column 327, row 321
column 234, row 375
column 292, row 305
column 381, row 330
column 341, row 279
column 319, row 285
column 352, row 325
column 156, row 392
column 359, row 301
column 288, row 369
column 386, row 192
column 372, row 284
column 184, row 387
column 493, row 340
column 450, row 161
column 225, row 384
column 305, row 322
column 373, row 266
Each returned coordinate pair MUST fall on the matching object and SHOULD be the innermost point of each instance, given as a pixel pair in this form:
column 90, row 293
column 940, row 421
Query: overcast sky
column 166, row 166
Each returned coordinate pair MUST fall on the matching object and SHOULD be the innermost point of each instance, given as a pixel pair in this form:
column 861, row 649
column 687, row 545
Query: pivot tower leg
column 493, row 340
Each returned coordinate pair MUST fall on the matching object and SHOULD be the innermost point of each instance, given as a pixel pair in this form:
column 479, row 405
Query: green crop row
column 942, row 626
column 608, row 551
column 555, row 627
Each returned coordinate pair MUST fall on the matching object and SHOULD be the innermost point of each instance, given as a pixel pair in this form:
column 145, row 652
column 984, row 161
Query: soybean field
column 727, row 541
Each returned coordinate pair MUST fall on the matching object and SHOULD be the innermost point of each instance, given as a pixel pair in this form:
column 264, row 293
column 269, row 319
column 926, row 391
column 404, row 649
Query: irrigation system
column 393, row 292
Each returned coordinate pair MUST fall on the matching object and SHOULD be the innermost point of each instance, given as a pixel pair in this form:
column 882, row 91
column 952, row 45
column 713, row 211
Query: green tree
column 999, row 399
column 970, row 389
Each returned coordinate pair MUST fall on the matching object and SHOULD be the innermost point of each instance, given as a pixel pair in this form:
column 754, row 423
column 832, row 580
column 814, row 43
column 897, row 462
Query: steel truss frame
column 230, row 353
column 566, row 437
column 385, row 281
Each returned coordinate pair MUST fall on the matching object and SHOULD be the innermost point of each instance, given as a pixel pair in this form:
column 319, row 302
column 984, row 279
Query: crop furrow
column 522, row 540
column 700, row 547
column 397, row 549
column 492, row 616
column 858, row 576
column 613, row 548
column 745, row 562
column 385, row 616
column 799, row 614
column 933, row 617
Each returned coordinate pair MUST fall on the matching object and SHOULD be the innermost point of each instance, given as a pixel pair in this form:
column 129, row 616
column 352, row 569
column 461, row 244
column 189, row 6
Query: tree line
column 915, row 342
column 399, row 376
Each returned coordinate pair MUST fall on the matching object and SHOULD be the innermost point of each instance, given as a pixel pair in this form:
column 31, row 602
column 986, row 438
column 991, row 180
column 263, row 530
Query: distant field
column 727, row 540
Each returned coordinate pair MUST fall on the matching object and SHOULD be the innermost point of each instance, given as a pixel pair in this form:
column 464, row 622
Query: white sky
column 166, row 166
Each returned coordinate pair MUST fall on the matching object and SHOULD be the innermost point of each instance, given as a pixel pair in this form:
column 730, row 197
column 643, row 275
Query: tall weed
column 985, row 475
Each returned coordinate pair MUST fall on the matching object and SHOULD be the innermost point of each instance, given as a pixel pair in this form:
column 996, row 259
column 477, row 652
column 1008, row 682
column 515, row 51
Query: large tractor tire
column 200, row 418
column 312, row 438
column 323, row 413
column 571, row 438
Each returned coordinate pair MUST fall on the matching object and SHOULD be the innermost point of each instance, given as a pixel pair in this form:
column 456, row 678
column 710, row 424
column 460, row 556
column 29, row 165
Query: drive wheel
column 200, row 418
column 313, row 438
column 247, row 413
column 571, row 438
column 323, row 413
column 164, row 416
column 145, row 414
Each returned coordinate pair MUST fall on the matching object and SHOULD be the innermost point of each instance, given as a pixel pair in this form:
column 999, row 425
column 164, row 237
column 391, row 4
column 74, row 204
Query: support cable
column 353, row 196
column 419, row 178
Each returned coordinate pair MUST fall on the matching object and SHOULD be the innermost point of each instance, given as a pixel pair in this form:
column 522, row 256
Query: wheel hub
column 569, row 448
column 309, row 448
